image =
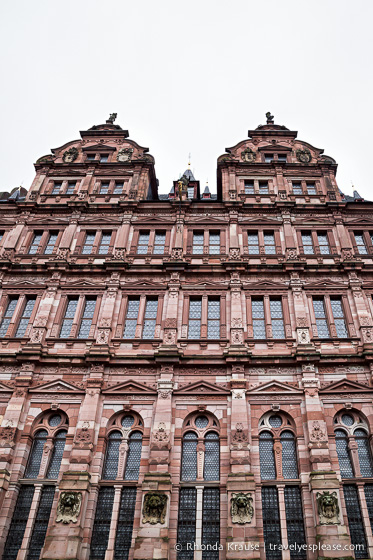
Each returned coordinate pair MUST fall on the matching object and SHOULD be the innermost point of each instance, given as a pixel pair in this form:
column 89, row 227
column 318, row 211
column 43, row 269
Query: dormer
column 273, row 165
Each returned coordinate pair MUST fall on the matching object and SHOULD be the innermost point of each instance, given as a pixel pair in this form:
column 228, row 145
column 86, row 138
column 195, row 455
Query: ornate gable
column 202, row 387
column 129, row 386
column 344, row 385
column 275, row 387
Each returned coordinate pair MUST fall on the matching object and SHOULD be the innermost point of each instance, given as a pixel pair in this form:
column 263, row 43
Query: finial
column 112, row 118
column 189, row 157
column 270, row 118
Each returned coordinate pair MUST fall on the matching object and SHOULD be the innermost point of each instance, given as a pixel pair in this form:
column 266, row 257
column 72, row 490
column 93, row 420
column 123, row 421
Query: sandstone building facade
column 184, row 370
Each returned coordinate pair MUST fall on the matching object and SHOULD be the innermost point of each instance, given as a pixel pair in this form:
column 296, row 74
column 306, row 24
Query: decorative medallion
column 70, row 155
column 304, row 156
column 248, row 156
column 125, row 155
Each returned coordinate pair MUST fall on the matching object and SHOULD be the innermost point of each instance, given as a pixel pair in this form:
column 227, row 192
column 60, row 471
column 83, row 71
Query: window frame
column 77, row 318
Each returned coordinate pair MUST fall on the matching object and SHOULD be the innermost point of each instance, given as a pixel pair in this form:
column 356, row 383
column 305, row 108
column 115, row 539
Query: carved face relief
column 68, row 507
column 242, row 510
column 328, row 508
column 154, row 508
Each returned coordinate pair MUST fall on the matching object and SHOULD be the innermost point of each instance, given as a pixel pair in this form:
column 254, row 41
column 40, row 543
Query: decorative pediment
column 5, row 389
column 275, row 387
column 313, row 222
column 144, row 284
column 325, row 285
column 202, row 387
column 48, row 221
column 130, row 386
column 204, row 285
column 208, row 219
column 102, row 220
column 25, row 283
column 364, row 220
column 262, row 220
column 98, row 148
column 83, row 283
column 57, row 385
column 265, row 285
column 344, row 385
column 8, row 221
column 154, row 220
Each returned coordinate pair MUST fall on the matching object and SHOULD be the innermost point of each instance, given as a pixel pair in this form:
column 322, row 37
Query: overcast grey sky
column 187, row 77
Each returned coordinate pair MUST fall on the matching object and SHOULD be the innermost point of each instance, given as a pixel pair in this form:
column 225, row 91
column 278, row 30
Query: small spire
column 189, row 158
column 270, row 118
column 112, row 118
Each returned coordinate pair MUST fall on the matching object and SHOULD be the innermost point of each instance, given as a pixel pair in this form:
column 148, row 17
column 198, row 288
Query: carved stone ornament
column 70, row 155
column 303, row 336
column 328, row 508
column 291, row 254
column 103, row 336
column 68, row 508
column 242, row 510
column 154, row 508
column 125, row 154
column 304, row 156
column 248, row 156
column 234, row 253
column 7, row 436
column 176, row 253
column 239, row 437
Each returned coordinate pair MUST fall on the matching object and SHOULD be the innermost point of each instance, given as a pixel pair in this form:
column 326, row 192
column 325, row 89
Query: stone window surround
column 204, row 315
column 112, row 184
column 206, row 241
column 261, row 232
column 303, row 182
column 28, row 239
column 368, row 240
column 315, row 241
column 80, row 240
column 256, row 180
column 119, row 329
column 267, row 315
column 349, row 322
column 62, row 306
column 152, row 232
column 48, row 190
column 21, row 303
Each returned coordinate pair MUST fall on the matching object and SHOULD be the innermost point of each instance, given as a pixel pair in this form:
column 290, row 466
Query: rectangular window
column 142, row 246
column 269, row 243
column 282, row 158
column 68, row 320
column 307, row 243
column 339, row 319
column 131, row 318
column 102, row 522
column 88, row 243
column 360, row 243
column 297, row 188
column 159, row 242
column 118, row 188
column 195, row 317
column 311, row 188
column 19, row 521
column 186, row 526
column 41, row 522
column 294, row 522
column 91, row 157
column 277, row 318
column 150, row 317
column 253, row 243
column 25, row 317
column 355, row 521
column 198, row 243
column 258, row 319
column 35, row 243
column 249, row 187
column 190, row 192
column 104, row 158
column 11, row 307
column 85, row 325
column 104, row 188
column 268, row 158
column 104, row 243
column 52, row 239
column 210, row 523
column 214, row 243
column 271, row 523
column 56, row 187
column 263, row 187
column 323, row 243
column 213, row 319
column 126, row 516
column 71, row 187
column 320, row 316
column 368, row 490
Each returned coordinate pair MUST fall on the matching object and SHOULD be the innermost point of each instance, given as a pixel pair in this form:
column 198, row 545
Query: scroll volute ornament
column 154, row 508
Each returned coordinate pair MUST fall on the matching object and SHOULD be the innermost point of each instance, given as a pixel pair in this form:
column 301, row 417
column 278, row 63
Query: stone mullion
column 312, row 316
column 223, row 316
column 315, row 243
column 352, row 447
column 199, row 513
column 267, row 317
column 109, row 555
column 158, row 319
column 46, row 457
column 140, row 317
column 204, row 317
column 200, row 458
column 330, row 317
column 249, row 317
column 77, row 317
column 121, row 317
column 348, row 316
column 23, row 551
column 151, row 242
column 286, row 314
column 283, row 524
column 365, row 518
column 185, row 316
column 11, row 332
column 43, row 242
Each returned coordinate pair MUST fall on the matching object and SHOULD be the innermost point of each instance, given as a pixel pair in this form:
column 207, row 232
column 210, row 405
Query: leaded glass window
column 71, row 187
column 25, row 317
column 11, row 307
column 198, row 243
column 186, row 528
column 36, row 454
column 263, row 187
column 339, row 319
column 101, row 525
column 131, row 319
column 128, row 421
column 143, row 243
column 110, row 470
column 126, row 515
column 360, row 243
column 289, row 455
column 294, row 522
column 311, row 188
column 213, row 318
column 41, row 522
column 189, row 457
column 365, row 457
column 344, row 459
column 56, row 187
column 347, row 420
column 271, row 523
column 88, row 243
column 18, row 525
column 58, row 449
column 35, row 243
column 212, row 457
column 159, row 242
column 269, row 244
column 118, row 189
column 266, row 456
column 210, row 523
column 104, row 243
column 368, row 490
column 320, row 316
column 195, row 314
column 249, row 187
column 150, row 318
column 54, row 420
column 214, row 243
column 253, row 243
column 258, row 318
column 85, row 325
column 355, row 521
column 201, row 422
column 104, row 189
column 277, row 318
column 307, row 244
column 69, row 318
column 133, row 456
column 52, row 239
column 190, row 192
column 322, row 239
column 275, row 421
column 297, row 188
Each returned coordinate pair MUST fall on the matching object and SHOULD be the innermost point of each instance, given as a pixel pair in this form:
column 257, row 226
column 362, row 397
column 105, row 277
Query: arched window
column 58, row 449
column 343, row 453
column 189, row 460
column 212, row 457
column 110, row 471
column 36, row 454
column 209, row 441
column 134, row 456
column 352, row 432
column 267, row 457
column 365, row 458
column 289, row 455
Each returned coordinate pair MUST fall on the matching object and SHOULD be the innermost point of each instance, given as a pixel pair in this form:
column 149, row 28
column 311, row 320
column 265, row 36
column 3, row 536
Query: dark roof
column 188, row 173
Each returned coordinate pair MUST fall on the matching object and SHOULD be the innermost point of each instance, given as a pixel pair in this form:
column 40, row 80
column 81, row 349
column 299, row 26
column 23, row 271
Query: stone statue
column 328, row 508
column 112, row 118
column 242, row 510
column 154, row 508
column 68, row 507
column 270, row 118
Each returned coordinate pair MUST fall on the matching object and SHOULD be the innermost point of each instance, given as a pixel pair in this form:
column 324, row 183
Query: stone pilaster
column 161, row 431
column 242, row 532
